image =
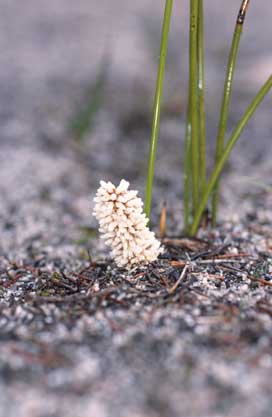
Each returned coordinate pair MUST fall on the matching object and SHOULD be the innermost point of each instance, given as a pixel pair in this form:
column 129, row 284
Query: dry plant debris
column 204, row 307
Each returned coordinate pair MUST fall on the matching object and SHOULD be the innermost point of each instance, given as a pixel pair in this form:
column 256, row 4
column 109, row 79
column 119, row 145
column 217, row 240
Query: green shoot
column 157, row 106
column 83, row 121
column 187, row 172
column 201, row 98
column 226, row 153
column 193, row 101
column 197, row 188
column 224, row 113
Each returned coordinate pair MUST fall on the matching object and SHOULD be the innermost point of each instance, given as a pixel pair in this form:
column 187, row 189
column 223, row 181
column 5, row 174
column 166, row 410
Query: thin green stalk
column 230, row 144
column 187, row 171
column 201, row 99
column 193, row 88
column 157, row 105
column 224, row 113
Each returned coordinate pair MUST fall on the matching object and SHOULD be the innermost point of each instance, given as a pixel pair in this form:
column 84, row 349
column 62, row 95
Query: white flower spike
column 124, row 225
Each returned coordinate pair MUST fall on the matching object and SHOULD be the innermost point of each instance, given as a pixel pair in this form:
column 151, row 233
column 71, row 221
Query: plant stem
column 187, row 171
column 157, row 105
column 201, row 99
column 224, row 113
column 193, row 112
column 230, row 144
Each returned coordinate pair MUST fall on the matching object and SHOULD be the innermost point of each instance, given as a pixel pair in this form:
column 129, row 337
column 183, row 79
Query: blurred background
column 77, row 81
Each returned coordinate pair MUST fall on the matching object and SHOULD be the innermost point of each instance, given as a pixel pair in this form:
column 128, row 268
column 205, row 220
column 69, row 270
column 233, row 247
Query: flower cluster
column 124, row 225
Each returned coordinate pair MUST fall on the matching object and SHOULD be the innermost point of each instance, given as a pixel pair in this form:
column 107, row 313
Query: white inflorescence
column 124, row 225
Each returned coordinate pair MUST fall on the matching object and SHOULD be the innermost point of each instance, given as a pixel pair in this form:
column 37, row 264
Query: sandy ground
column 118, row 361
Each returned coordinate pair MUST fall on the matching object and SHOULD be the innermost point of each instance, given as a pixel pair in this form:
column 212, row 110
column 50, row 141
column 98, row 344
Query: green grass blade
column 201, row 99
column 193, row 88
column 224, row 113
column 230, row 144
column 187, row 172
column 157, row 105
column 84, row 120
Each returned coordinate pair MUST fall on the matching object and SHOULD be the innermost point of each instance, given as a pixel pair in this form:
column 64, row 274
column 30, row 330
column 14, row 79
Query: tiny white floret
column 123, row 225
